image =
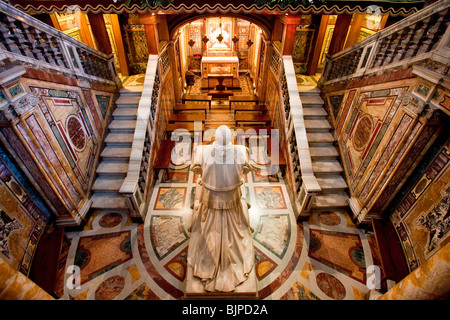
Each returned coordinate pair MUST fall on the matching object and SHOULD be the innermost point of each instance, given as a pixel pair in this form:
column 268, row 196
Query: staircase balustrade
column 305, row 185
column 27, row 39
column 136, row 186
column 423, row 35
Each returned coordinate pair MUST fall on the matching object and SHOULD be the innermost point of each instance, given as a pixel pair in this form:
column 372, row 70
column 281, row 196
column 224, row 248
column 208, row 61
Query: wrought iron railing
column 420, row 36
column 29, row 40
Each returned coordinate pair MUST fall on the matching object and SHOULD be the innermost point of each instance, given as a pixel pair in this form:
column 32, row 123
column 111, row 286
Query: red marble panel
column 94, row 112
column 345, row 111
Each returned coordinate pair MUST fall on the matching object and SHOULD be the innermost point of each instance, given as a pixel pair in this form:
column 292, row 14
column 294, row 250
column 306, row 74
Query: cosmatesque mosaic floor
column 323, row 258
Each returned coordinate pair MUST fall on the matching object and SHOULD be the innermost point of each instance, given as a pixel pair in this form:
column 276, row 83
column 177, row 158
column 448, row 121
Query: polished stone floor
column 323, row 258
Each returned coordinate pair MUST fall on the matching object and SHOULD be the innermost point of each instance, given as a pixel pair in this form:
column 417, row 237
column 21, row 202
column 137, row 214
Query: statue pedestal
column 195, row 290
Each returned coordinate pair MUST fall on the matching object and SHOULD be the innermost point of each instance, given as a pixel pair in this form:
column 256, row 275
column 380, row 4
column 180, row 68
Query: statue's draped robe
column 221, row 246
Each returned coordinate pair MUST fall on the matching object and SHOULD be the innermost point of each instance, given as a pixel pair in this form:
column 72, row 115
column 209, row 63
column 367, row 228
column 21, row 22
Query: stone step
column 125, row 114
column 119, row 139
column 321, row 167
column 131, row 91
column 128, row 101
column 122, row 126
column 317, row 125
column 314, row 112
column 308, row 90
column 332, row 199
column 107, row 183
column 311, row 100
column 332, row 182
column 116, row 153
column 108, row 200
column 113, row 168
column 320, row 137
column 323, row 152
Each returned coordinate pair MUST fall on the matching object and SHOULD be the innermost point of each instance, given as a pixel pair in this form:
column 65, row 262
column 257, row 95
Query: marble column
column 430, row 281
column 16, row 286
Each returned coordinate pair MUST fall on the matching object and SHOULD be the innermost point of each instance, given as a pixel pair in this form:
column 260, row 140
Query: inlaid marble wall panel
column 196, row 34
column 302, row 48
column 63, row 133
column 23, row 216
column 136, row 47
column 377, row 134
column 71, row 124
column 421, row 218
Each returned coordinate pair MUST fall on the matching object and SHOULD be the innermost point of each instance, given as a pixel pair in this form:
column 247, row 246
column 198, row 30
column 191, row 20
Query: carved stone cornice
column 412, row 103
column 26, row 103
column 14, row 110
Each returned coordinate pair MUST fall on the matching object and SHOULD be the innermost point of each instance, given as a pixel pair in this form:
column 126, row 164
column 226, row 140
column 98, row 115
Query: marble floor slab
column 323, row 258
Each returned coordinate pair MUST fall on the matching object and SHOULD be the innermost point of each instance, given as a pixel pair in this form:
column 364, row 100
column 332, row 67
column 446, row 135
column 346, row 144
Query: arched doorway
column 233, row 45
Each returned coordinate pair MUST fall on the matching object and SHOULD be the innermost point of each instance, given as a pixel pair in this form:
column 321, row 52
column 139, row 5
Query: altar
column 220, row 65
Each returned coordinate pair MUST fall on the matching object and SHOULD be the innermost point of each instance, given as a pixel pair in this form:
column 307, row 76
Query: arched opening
column 213, row 45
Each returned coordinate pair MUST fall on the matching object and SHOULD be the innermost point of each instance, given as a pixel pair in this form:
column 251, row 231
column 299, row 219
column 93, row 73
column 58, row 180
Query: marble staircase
column 115, row 156
column 324, row 155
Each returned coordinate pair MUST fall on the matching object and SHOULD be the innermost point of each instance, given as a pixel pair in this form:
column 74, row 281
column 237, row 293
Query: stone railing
column 305, row 185
column 418, row 37
column 29, row 40
column 135, row 186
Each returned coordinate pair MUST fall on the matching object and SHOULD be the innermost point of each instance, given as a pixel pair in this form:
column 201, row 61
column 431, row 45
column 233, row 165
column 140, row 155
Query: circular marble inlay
column 110, row 220
column 329, row 218
column 331, row 286
column 76, row 133
column 110, row 288
column 16, row 188
column 362, row 132
column 421, row 186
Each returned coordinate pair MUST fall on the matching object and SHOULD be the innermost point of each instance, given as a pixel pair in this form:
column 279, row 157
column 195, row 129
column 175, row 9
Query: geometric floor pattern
column 323, row 258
